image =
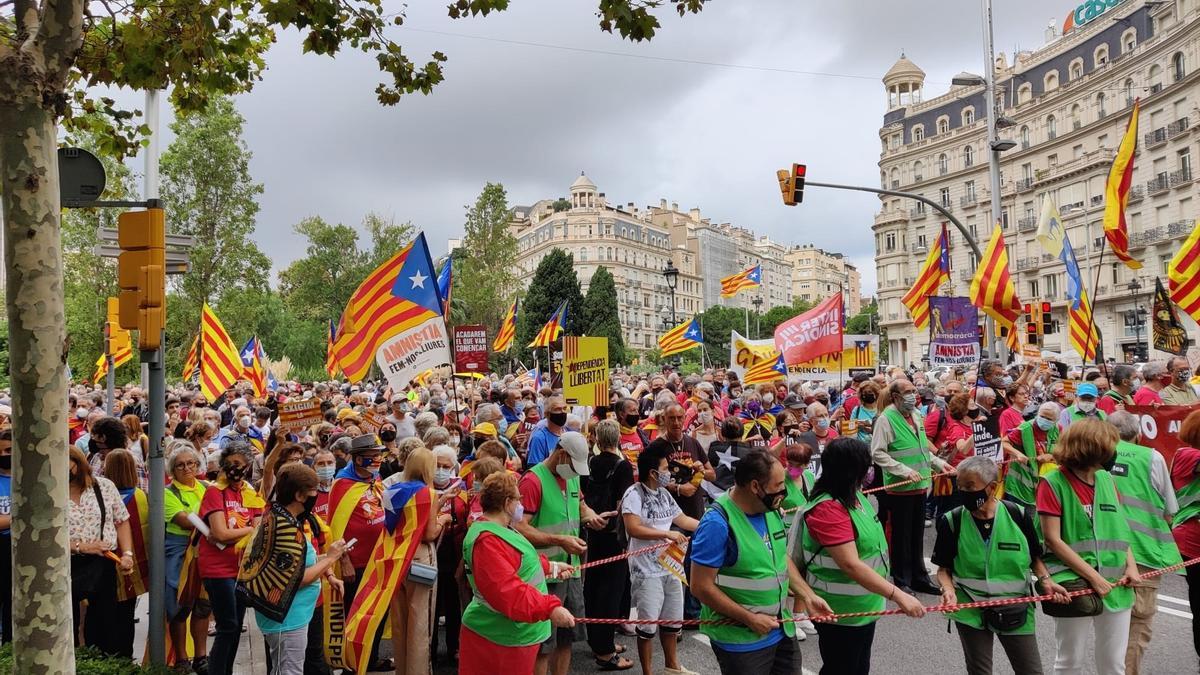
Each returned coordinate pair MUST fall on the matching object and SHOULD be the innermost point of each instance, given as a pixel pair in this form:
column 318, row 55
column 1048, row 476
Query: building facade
column 818, row 274
column 1066, row 107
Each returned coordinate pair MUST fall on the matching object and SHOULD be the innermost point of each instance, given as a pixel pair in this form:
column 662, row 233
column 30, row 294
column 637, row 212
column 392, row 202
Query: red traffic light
column 1028, row 308
column 1031, row 328
column 799, row 170
column 1045, row 308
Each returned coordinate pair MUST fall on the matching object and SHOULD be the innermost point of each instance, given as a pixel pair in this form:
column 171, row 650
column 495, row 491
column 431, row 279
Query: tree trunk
column 37, row 358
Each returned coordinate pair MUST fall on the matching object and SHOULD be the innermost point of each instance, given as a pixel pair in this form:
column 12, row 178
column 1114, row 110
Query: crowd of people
column 1033, row 486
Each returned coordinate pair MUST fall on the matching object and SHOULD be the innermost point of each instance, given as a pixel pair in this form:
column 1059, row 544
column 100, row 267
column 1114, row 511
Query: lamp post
column 671, row 274
column 1137, row 318
column 757, row 302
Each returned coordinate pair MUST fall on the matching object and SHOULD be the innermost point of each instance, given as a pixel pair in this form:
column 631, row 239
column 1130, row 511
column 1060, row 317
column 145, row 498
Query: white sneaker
column 806, row 627
column 679, row 671
column 800, row 636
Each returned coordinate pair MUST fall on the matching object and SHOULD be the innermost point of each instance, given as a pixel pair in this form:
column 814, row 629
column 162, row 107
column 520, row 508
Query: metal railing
column 1136, row 193
column 1181, row 176
column 1027, row 224
column 1159, row 183
column 1155, row 137
column 967, row 201
column 1180, row 228
column 1024, row 184
column 917, row 212
column 1177, row 127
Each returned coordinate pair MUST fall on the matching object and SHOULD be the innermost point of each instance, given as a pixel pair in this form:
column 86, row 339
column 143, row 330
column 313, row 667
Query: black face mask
column 387, row 436
column 340, row 462
column 6, row 462
column 211, row 475
column 557, row 419
column 868, row 398
column 974, row 500
column 310, row 503
column 974, row 413
column 632, row 420
column 772, row 500
column 1112, row 461
column 235, row 473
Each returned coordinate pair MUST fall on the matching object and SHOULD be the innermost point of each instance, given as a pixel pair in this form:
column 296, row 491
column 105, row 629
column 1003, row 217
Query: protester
column 1119, row 394
column 985, row 550
column 1154, row 378
column 447, row 608
column 1185, row 478
column 760, row 576
column 949, row 430
column 1030, row 445
column 864, row 409
column 1179, row 391
column 107, row 434
column 1084, row 406
column 705, row 431
column 1087, row 544
column 121, row 468
column 181, row 502
column 545, row 439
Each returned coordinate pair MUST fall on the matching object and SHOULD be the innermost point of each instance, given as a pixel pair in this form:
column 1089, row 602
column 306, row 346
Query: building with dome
column 1065, row 106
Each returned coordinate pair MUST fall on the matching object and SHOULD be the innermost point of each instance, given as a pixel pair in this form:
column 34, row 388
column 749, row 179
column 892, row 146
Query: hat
column 577, row 447
column 1086, row 389
column 364, row 443
column 485, row 428
column 344, row 413
column 793, row 402
column 399, row 398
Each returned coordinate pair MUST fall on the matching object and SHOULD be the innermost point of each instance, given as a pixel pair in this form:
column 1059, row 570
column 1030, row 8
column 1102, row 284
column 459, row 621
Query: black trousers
column 447, row 602
column 907, row 544
column 1193, row 582
column 605, row 590
column 845, row 650
column 6, row 588
column 351, row 588
column 108, row 625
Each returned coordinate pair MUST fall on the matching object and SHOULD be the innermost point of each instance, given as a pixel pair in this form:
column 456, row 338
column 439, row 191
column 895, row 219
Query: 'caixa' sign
column 1088, row 12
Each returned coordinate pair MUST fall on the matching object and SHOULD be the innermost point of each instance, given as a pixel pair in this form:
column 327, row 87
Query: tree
column 773, row 317
column 717, row 323
column 600, row 315
column 484, row 277
column 318, row 286
column 553, row 282
column 50, row 52
column 865, row 321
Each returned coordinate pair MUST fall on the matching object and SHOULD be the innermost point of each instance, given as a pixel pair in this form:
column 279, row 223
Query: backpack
column 599, row 494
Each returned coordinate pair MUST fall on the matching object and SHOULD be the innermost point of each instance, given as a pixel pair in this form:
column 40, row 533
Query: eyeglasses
column 187, row 465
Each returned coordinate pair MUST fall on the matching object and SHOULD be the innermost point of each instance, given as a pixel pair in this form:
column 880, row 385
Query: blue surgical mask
column 822, row 423
column 442, row 477
column 518, row 514
column 664, row 478
column 1044, row 424
column 325, row 473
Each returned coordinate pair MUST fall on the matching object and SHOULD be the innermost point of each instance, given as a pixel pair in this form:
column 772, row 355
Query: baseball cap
column 1086, row 389
column 793, row 402
column 576, row 446
column 484, row 428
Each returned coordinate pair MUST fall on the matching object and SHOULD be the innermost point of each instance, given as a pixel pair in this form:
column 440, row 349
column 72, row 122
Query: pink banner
column 812, row 334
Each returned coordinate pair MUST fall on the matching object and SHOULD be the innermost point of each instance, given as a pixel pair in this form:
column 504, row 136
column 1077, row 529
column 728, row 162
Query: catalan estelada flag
column 553, row 328
column 398, row 295
column 252, row 356
column 331, row 362
column 508, row 330
column 220, row 362
column 1183, row 275
column 192, row 363
column 407, row 507
column 751, row 277
column 1116, row 193
column 766, row 371
column 681, row 338
column 131, row 585
column 992, row 287
column 934, row 273
column 1081, row 325
column 445, row 282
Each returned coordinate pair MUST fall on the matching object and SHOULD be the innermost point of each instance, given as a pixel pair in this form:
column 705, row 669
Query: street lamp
column 671, row 274
column 1136, row 317
column 757, row 302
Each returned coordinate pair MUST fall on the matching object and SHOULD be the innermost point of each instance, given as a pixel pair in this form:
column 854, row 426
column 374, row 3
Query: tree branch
column 60, row 36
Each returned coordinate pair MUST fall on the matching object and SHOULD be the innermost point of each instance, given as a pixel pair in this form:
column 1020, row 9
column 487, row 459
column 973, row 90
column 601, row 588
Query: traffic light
column 1043, row 317
column 798, row 173
column 141, row 274
column 786, row 187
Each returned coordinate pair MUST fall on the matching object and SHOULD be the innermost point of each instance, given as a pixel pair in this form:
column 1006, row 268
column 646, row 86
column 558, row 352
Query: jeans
column 286, row 650
column 907, row 513
column 781, row 658
column 1022, row 651
column 1112, row 636
column 229, row 611
column 314, row 652
column 845, row 650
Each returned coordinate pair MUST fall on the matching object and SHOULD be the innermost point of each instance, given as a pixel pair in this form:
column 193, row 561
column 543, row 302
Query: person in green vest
column 986, row 549
column 1087, row 538
column 1031, row 444
column 1120, row 392
column 510, row 613
column 839, row 546
column 553, row 513
column 799, row 484
column 1084, row 406
column 899, row 447
column 1185, row 526
column 1144, row 483
column 740, row 570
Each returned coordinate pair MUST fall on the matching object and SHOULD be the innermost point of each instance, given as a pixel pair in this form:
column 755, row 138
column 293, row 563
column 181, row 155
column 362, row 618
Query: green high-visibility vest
column 996, row 568
column 1101, row 540
column 910, row 449
column 482, row 617
column 795, row 499
column 1021, row 481
column 757, row 580
column 1189, row 501
column 1145, row 510
column 558, row 514
column 843, row 594
column 1076, row 415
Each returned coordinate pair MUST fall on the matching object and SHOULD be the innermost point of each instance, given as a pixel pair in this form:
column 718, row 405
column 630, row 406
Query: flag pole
column 1092, row 313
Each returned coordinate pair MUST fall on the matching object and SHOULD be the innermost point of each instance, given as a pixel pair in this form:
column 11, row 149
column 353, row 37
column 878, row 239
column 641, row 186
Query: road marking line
column 1175, row 612
column 1173, row 600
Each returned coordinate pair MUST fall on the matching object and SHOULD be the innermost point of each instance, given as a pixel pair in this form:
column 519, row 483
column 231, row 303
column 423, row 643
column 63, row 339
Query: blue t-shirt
column 713, row 546
column 541, row 443
column 5, row 499
column 303, row 604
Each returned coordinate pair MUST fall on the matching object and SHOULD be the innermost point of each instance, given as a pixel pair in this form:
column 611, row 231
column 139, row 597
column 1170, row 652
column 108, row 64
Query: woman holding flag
column 181, row 502
column 121, row 468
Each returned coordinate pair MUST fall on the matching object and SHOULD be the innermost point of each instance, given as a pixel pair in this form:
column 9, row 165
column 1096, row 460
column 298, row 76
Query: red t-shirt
column 1047, row 500
column 1039, row 439
column 829, row 523
column 1183, row 471
column 1010, row 418
column 216, row 563
column 850, row 403
column 1146, row 396
column 322, row 507
column 365, row 524
column 531, row 491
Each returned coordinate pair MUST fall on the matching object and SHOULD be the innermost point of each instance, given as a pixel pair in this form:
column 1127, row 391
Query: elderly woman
column 986, row 550
column 1087, row 541
column 863, row 414
column 181, row 501
column 449, row 550
column 819, row 433
column 949, row 430
column 1031, row 446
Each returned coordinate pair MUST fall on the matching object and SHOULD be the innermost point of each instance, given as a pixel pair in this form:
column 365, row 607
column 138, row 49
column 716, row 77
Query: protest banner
column 411, row 352
column 953, row 331
column 294, row 415
column 812, row 334
column 859, row 354
column 585, row 370
column 745, row 353
column 470, row 349
column 1160, row 426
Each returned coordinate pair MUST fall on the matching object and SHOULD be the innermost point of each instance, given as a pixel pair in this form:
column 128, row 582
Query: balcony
column 1098, row 200
column 890, row 216
column 635, row 283
column 917, row 213
column 1027, row 263
column 1027, row 224
column 968, row 201
column 1102, row 157
column 919, row 248
column 1025, row 184
column 1049, row 257
column 966, row 274
column 1140, row 239
column 1181, row 177
column 1180, row 228
column 1136, row 194
column 1179, row 126
column 1156, row 137
column 1161, row 183
column 893, row 316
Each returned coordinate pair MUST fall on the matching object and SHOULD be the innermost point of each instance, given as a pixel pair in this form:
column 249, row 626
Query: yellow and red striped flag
column 192, row 362
column 331, row 361
column 508, row 329
column 681, row 338
column 553, row 328
column 766, row 371
column 398, row 295
column 131, row 585
column 751, row 277
column 934, row 273
column 992, row 287
column 407, row 507
column 1081, row 329
column 220, row 362
column 1116, row 193
column 119, row 344
column 1183, row 275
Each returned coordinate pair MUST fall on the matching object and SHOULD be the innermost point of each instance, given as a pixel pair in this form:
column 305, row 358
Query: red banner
column 1160, row 426
column 470, row 349
column 812, row 334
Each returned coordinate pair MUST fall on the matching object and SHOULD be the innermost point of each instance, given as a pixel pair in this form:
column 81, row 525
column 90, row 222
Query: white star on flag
column 692, row 333
column 727, row 459
column 418, row 280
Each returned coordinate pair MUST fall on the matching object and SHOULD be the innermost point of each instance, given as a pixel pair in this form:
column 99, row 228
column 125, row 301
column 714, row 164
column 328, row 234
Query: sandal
column 614, row 662
column 382, row 665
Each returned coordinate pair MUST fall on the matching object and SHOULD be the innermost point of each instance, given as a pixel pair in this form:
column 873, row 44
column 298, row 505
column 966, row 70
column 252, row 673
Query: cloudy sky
column 655, row 124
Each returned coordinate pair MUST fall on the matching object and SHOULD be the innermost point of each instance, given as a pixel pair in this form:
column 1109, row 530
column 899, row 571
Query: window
column 889, row 242
column 1177, row 67
column 1100, row 110
column 944, row 196
column 1154, row 79
column 1033, row 288
column 943, row 164
column 1184, row 163
column 1050, row 82
column 1076, row 117
column 1075, row 71
column 943, row 125
column 918, row 133
column 1128, row 40
column 1051, row 284
column 1100, row 56
column 1024, row 137
column 968, row 116
column 918, row 171
column 583, row 254
column 1027, row 171
column 969, row 188
column 968, row 156
column 1129, row 91
column 1051, row 127
column 1024, row 93
column 895, row 178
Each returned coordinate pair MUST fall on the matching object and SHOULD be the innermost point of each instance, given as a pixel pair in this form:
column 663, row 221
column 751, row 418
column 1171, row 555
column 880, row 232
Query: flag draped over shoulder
column 220, row 363
column 681, row 338
column 131, row 585
column 1183, row 275
column 992, row 287
column 553, row 328
column 331, row 362
column 751, row 277
column 508, row 330
column 1116, row 192
column 934, row 273
column 120, row 347
column 407, row 507
column 192, row 363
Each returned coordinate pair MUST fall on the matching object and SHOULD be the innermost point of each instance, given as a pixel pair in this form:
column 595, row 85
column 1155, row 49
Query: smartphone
column 350, row 544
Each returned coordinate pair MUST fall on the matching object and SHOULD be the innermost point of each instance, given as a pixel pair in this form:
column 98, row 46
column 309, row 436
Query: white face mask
column 768, row 399
column 1085, row 406
column 243, row 422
